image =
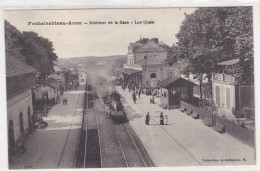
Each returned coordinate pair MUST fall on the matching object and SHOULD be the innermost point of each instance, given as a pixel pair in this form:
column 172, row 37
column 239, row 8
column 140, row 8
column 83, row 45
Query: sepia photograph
column 138, row 88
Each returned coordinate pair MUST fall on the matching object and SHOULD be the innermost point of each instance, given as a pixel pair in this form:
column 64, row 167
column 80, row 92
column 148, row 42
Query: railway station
column 156, row 91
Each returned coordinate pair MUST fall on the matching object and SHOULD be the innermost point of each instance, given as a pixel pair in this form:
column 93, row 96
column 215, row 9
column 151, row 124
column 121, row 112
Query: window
column 170, row 75
column 153, row 75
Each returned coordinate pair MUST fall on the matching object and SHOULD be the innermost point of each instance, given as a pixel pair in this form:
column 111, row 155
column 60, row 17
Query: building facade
column 60, row 74
column 20, row 79
column 50, row 89
column 228, row 94
column 145, row 65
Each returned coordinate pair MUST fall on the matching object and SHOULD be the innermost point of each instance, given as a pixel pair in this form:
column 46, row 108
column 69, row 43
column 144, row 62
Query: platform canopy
column 128, row 71
column 229, row 62
column 175, row 81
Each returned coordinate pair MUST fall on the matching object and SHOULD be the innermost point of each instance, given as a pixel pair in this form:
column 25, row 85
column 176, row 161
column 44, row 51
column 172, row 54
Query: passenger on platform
column 139, row 93
column 147, row 118
column 134, row 97
column 166, row 119
column 133, row 88
column 161, row 119
column 123, row 86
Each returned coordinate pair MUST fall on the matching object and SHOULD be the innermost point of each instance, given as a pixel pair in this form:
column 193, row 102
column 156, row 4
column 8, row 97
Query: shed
column 49, row 88
column 175, row 89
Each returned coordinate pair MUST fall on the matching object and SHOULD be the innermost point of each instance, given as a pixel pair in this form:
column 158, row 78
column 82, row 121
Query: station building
column 20, row 79
column 145, row 66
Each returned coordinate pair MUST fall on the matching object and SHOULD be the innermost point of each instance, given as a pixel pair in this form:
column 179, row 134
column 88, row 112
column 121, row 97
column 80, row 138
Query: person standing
column 124, row 86
column 161, row 119
column 147, row 118
column 166, row 119
column 134, row 97
column 139, row 93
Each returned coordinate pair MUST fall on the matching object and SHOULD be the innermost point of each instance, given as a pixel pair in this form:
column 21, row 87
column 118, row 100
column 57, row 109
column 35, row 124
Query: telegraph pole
column 145, row 58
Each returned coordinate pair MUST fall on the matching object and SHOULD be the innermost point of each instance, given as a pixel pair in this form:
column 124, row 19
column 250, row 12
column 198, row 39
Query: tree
column 29, row 47
column 212, row 35
column 38, row 52
column 173, row 54
column 13, row 41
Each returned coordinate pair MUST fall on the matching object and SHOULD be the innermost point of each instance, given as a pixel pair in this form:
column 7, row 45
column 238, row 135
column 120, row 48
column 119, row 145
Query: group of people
column 162, row 119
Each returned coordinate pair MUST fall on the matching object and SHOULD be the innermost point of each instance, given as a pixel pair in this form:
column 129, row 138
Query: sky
column 96, row 39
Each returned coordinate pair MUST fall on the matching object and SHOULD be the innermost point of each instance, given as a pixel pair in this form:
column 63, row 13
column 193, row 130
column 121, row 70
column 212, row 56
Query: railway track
column 92, row 157
column 132, row 150
column 105, row 144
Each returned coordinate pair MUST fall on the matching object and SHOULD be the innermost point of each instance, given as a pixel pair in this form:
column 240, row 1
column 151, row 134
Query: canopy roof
column 52, row 82
column 128, row 71
column 175, row 81
column 229, row 62
column 15, row 67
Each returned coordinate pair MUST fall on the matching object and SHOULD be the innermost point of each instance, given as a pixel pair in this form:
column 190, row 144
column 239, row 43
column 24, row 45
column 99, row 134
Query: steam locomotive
column 116, row 110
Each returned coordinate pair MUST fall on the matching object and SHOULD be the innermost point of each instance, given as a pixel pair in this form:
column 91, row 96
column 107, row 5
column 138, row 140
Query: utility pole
column 145, row 58
column 45, row 98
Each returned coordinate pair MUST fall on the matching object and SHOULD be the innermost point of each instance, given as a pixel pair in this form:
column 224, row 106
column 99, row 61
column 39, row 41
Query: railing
column 225, row 78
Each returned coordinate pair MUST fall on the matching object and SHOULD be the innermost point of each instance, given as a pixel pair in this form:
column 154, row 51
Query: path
column 184, row 141
column 56, row 145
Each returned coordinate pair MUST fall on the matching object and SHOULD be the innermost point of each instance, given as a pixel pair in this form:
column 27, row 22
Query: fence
column 239, row 132
column 244, row 134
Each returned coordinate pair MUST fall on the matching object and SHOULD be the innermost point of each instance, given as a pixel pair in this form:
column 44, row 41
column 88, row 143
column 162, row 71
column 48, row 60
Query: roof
column 150, row 46
column 60, row 69
column 128, row 71
column 175, row 81
column 52, row 82
column 73, row 72
column 229, row 62
column 56, row 77
column 15, row 67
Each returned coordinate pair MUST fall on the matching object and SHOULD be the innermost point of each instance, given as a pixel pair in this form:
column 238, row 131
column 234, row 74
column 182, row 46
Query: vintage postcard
column 118, row 88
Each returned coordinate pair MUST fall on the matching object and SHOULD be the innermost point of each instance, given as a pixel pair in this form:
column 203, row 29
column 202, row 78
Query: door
column 153, row 80
column 45, row 94
column 11, row 140
column 228, row 98
column 29, row 120
column 21, row 123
